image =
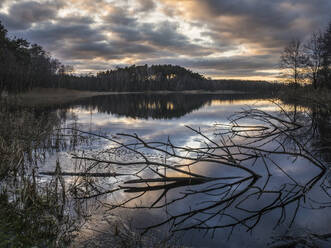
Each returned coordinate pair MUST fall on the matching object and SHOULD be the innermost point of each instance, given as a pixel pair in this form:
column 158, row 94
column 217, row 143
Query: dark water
column 290, row 198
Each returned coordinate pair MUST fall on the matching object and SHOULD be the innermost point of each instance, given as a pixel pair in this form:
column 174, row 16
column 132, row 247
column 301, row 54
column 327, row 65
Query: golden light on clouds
column 220, row 39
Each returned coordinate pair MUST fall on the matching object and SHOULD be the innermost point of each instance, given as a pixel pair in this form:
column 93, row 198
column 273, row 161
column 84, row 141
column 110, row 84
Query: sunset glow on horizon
column 221, row 39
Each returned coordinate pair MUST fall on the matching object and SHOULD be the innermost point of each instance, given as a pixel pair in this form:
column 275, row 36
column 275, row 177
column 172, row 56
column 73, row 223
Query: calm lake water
column 290, row 190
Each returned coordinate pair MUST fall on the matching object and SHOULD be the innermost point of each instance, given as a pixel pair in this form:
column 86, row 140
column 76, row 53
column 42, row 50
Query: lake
column 181, row 169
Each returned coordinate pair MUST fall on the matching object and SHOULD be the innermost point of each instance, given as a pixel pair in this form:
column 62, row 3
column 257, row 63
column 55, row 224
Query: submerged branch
column 248, row 152
column 83, row 174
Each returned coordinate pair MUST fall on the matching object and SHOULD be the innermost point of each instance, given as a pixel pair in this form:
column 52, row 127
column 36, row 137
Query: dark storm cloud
column 244, row 62
column 231, row 66
column 266, row 23
column 162, row 35
column 119, row 16
column 146, row 5
column 165, row 34
column 67, row 36
column 105, row 50
column 265, row 27
column 12, row 23
column 74, row 38
column 33, row 11
column 64, row 32
column 21, row 15
column 121, row 31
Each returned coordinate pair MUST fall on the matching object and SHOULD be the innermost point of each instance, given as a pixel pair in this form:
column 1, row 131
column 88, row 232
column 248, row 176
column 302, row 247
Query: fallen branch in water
column 83, row 174
column 249, row 154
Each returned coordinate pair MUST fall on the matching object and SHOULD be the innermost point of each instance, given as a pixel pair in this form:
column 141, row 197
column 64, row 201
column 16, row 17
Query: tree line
column 158, row 78
column 309, row 61
column 24, row 66
column 136, row 78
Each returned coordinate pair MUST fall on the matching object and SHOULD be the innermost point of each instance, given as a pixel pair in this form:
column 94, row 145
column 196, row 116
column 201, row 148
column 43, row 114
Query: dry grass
column 307, row 97
column 31, row 213
column 44, row 96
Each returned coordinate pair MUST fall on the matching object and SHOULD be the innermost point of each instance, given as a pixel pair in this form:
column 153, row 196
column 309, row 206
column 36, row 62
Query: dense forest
column 24, row 66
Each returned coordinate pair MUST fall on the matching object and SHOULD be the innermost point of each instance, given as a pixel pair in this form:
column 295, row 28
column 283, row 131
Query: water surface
column 303, row 187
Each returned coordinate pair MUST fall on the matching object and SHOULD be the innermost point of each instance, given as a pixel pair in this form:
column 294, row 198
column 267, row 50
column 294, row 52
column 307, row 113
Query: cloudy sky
column 218, row 38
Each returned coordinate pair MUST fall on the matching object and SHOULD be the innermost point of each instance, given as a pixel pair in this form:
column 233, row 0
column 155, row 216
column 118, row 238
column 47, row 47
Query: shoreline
column 50, row 96
column 307, row 98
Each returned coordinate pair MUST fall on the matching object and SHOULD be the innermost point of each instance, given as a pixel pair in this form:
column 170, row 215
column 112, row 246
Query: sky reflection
column 205, row 117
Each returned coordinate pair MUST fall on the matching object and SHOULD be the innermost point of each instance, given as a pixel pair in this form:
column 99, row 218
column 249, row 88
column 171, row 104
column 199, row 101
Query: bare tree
column 292, row 61
column 327, row 56
column 156, row 170
column 314, row 50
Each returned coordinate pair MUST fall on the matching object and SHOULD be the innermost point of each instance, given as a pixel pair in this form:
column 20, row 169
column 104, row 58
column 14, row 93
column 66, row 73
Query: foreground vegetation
column 307, row 96
column 32, row 213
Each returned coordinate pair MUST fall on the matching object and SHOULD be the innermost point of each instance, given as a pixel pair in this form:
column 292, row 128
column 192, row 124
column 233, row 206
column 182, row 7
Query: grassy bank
column 306, row 96
column 32, row 213
column 49, row 96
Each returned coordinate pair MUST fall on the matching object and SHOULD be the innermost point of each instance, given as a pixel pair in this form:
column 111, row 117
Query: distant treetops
column 24, row 66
